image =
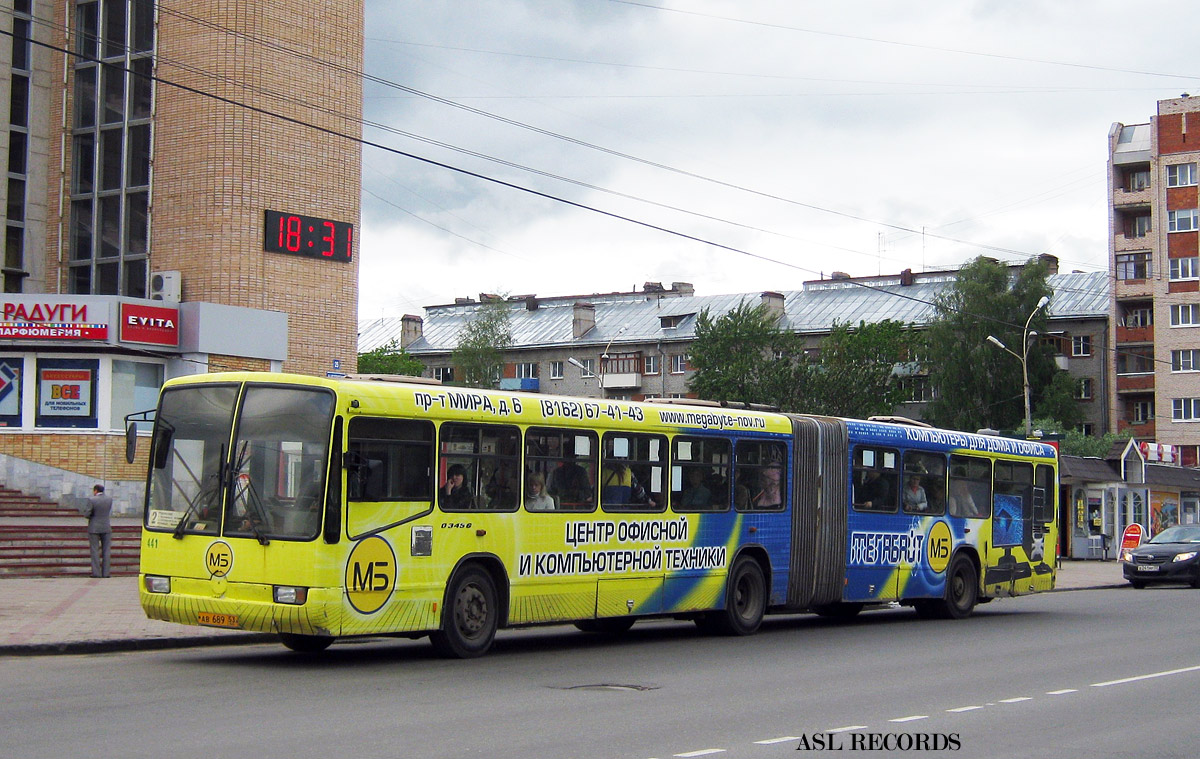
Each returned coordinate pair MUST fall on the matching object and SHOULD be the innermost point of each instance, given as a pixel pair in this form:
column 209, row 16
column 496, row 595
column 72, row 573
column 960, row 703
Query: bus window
column 970, row 487
column 700, row 473
column 479, row 467
column 631, row 473
column 1012, row 503
column 876, row 479
column 1043, row 494
column 924, row 489
column 566, row 460
column 760, row 474
column 389, row 460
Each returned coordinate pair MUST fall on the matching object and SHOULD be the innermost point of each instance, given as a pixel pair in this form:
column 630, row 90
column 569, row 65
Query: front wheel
column 470, row 616
column 745, row 601
column 1137, row 584
column 305, row 644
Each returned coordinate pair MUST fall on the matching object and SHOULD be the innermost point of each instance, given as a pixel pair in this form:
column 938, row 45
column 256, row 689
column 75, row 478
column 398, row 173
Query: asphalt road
column 1103, row 673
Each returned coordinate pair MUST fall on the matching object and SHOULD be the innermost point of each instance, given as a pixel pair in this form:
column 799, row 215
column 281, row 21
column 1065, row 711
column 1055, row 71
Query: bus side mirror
column 131, row 442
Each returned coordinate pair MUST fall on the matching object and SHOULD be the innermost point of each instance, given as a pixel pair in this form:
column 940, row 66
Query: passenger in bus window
column 455, row 492
column 914, row 495
column 696, row 495
column 619, row 485
column 767, row 495
column 961, row 502
column 570, row 483
column 535, row 493
column 872, row 493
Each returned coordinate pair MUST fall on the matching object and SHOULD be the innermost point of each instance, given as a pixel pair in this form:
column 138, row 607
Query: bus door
column 876, row 526
column 970, row 504
column 1019, row 531
column 1043, row 549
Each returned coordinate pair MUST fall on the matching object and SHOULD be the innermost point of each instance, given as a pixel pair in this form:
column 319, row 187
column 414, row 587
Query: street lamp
column 1023, row 357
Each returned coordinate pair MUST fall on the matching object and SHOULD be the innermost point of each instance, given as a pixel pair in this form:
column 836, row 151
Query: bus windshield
column 268, row 484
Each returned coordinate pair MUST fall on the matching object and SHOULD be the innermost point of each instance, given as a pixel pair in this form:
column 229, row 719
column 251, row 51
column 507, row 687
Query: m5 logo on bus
column 938, row 546
column 218, row 559
column 370, row 574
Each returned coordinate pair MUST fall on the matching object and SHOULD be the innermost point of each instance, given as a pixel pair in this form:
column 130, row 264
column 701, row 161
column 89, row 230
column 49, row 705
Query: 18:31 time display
column 308, row 236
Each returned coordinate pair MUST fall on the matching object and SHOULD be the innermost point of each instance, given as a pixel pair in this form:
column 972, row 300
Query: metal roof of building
column 637, row 318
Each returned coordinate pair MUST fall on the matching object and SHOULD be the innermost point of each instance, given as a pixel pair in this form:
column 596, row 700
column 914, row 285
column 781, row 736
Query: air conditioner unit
column 166, row 285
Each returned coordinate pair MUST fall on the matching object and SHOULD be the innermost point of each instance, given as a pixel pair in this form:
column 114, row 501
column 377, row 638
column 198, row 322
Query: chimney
column 1050, row 261
column 683, row 288
column 490, row 298
column 583, row 319
column 652, row 287
column 839, row 275
column 531, row 303
column 906, row 278
column 411, row 329
column 774, row 303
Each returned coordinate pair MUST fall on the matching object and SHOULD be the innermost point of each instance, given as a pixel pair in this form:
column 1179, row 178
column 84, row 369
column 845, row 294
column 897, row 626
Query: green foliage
column 389, row 359
column 744, row 356
column 979, row 385
column 479, row 357
column 1059, row 401
column 1075, row 443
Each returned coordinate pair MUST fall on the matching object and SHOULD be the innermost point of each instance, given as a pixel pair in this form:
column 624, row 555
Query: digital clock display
column 308, row 236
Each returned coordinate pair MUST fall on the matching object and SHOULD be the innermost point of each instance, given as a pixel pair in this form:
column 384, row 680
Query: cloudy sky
column 742, row 146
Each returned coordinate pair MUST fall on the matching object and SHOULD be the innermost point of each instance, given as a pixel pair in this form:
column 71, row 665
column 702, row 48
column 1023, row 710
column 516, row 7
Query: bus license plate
column 217, row 620
column 1147, row 568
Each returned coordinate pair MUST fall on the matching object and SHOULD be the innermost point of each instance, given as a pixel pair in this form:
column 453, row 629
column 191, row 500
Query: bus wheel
column 607, row 625
column 745, row 601
column 305, row 644
column 840, row 611
column 962, row 590
column 469, row 617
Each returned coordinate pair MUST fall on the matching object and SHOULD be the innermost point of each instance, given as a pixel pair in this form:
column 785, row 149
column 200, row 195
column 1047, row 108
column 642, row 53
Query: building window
column 556, row 370
column 1185, row 360
column 1143, row 411
column 1084, row 389
column 679, row 363
column 1137, row 179
column 917, row 388
column 1139, row 317
column 1137, row 226
column 1185, row 409
column 443, row 373
column 651, row 365
column 1185, row 268
column 589, row 367
column 1183, row 220
column 1087, row 429
column 1181, row 175
column 1081, row 345
column 526, row 370
column 1135, row 361
column 1133, row 266
column 1185, row 315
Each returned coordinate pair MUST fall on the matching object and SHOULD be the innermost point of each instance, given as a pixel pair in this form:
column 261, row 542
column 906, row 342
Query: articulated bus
column 319, row 508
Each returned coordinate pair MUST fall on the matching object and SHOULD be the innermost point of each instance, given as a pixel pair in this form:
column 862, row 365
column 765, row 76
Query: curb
column 134, row 644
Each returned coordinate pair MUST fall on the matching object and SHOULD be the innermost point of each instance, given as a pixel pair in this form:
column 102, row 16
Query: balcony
column 1141, row 430
column 1135, row 383
column 621, row 381
column 1132, row 198
column 528, row 384
column 1135, row 334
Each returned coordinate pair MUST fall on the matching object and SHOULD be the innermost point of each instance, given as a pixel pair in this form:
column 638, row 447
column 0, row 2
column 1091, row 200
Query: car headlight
column 1127, row 555
column 1185, row 556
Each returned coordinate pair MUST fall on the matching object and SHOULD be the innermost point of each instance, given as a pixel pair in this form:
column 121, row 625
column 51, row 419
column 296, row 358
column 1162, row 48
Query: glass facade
column 15, row 269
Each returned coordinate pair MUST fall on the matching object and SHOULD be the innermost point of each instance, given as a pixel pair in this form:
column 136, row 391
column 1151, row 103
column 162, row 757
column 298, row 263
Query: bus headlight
column 290, row 594
column 156, row 584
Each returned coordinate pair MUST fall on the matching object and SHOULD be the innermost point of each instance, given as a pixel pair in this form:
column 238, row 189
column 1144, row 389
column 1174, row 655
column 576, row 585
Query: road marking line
column 1062, row 692
column 1124, row 680
column 913, row 718
column 847, row 729
column 965, row 709
column 784, row 739
column 1016, row 700
column 701, row 752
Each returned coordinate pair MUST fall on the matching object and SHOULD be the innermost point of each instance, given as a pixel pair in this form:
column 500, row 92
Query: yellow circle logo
column 218, row 560
column 370, row 574
column 938, row 545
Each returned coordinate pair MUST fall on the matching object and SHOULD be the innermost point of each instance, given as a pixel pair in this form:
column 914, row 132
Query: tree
column 1059, row 401
column 479, row 357
column 856, row 375
column 389, row 359
column 743, row 356
column 978, row 384
column 1075, row 443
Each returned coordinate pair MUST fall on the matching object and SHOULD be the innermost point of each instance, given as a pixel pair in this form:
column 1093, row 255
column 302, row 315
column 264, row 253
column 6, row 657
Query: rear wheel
column 305, row 644
column 962, row 590
column 607, row 625
column 745, row 601
column 469, row 617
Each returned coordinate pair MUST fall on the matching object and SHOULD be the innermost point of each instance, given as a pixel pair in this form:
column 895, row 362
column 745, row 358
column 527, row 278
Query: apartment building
column 1154, row 243
column 162, row 218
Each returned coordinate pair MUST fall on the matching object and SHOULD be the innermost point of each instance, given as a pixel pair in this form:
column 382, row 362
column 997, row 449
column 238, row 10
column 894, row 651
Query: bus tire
column 745, row 601
column 470, row 616
column 606, row 625
column 962, row 590
column 305, row 644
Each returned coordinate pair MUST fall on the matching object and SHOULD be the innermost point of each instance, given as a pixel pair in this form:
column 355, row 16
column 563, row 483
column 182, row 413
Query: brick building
column 170, row 209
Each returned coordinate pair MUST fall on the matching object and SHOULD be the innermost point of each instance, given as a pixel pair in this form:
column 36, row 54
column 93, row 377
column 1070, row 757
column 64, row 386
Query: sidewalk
column 88, row 615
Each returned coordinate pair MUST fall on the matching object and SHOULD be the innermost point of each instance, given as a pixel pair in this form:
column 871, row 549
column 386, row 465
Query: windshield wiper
column 202, row 493
column 251, row 500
